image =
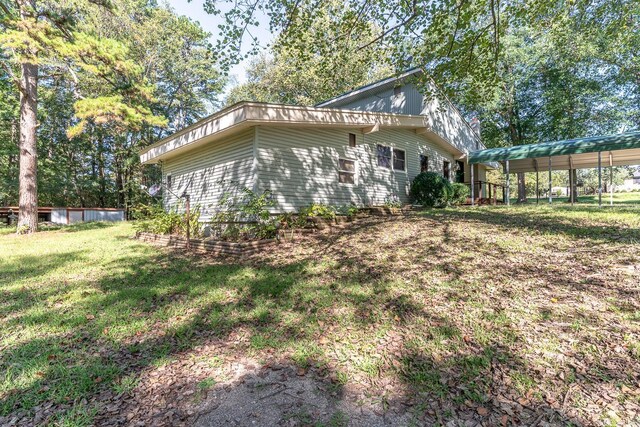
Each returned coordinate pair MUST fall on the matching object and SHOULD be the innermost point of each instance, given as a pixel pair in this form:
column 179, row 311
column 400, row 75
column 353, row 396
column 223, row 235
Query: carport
column 594, row 152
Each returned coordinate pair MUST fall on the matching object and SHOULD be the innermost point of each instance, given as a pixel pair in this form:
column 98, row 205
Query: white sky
column 194, row 9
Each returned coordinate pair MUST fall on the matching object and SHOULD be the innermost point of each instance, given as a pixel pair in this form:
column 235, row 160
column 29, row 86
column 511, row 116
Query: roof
column 620, row 149
column 386, row 83
column 246, row 114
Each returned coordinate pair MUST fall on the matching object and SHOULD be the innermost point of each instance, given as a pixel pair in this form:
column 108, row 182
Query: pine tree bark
column 28, row 175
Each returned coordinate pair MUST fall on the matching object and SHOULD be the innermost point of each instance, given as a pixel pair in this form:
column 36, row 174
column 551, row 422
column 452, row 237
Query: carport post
column 550, row 199
column 472, row 185
column 506, row 170
column 610, row 179
column 599, row 179
column 535, row 165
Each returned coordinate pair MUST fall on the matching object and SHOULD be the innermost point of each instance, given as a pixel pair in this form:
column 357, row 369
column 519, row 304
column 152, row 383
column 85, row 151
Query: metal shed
column 67, row 215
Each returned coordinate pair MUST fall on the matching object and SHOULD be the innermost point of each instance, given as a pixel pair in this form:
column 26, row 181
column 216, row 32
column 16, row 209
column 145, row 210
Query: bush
column 318, row 210
column 244, row 217
column 430, row 190
column 459, row 194
column 158, row 221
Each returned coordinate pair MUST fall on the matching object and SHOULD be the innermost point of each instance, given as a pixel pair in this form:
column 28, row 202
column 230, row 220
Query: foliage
column 244, row 216
column 158, row 221
column 349, row 210
column 392, row 201
column 430, row 189
column 459, row 193
column 119, row 89
column 318, row 210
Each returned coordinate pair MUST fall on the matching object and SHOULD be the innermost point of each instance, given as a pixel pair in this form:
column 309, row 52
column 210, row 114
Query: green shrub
column 318, row 210
column 430, row 190
column 392, row 201
column 158, row 221
column 349, row 210
column 245, row 216
column 459, row 194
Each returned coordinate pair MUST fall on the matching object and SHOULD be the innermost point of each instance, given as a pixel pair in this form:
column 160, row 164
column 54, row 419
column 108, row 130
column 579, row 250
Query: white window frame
column 393, row 150
column 168, row 181
column 391, row 168
column 354, row 173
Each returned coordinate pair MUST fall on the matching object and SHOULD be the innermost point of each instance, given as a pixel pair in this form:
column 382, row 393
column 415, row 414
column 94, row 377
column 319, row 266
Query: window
column 352, row 140
column 397, row 90
column 169, row 182
column 346, row 171
column 384, row 156
column 391, row 158
column 446, row 168
column 424, row 163
column 398, row 160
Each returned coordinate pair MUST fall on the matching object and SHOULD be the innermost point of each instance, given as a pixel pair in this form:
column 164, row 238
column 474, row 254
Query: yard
column 528, row 315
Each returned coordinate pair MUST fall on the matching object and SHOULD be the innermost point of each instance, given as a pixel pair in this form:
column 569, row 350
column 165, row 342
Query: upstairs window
column 346, row 171
column 352, row 140
column 424, row 163
column 398, row 160
column 384, row 156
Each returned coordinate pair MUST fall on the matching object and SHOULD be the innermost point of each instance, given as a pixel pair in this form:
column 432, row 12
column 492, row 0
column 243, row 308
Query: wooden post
column 599, row 179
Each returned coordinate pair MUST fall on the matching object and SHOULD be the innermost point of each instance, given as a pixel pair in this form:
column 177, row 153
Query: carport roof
column 620, row 149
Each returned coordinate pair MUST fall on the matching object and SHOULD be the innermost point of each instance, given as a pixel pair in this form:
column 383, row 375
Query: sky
column 194, row 9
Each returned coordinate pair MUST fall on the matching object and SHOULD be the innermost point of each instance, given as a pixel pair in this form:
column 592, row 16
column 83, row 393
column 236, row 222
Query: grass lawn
column 509, row 315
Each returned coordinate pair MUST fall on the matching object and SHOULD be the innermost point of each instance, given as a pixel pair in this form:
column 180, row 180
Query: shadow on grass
column 79, row 226
column 153, row 307
column 548, row 221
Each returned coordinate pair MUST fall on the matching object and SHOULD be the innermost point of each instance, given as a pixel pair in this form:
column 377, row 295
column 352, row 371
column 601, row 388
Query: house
column 363, row 147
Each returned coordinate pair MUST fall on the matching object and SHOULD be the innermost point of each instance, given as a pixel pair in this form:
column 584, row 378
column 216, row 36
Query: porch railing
column 487, row 192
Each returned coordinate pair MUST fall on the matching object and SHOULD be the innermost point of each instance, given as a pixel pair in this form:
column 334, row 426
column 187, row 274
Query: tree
column 287, row 76
column 39, row 35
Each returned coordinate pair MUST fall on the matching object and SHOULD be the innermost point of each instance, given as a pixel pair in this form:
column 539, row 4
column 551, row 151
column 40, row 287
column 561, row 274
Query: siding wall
column 443, row 117
column 300, row 165
column 203, row 170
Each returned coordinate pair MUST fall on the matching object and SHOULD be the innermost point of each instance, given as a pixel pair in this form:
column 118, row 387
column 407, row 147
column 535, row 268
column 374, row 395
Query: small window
column 398, row 160
column 424, row 163
column 352, row 140
column 397, row 90
column 446, row 169
column 384, row 156
column 346, row 171
column 169, row 182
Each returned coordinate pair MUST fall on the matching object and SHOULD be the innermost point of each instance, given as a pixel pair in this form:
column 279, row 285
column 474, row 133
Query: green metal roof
column 622, row 141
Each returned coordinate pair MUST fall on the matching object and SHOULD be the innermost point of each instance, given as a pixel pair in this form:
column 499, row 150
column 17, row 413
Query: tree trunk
column 28, row 175
column 522, row 189
column 573, row 188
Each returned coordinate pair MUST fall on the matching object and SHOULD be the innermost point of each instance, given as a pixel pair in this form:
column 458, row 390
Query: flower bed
column 205, row 245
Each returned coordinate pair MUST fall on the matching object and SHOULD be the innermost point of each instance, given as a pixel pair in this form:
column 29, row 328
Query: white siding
column 444, row 119
column 300, row 165
column 208, row 172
